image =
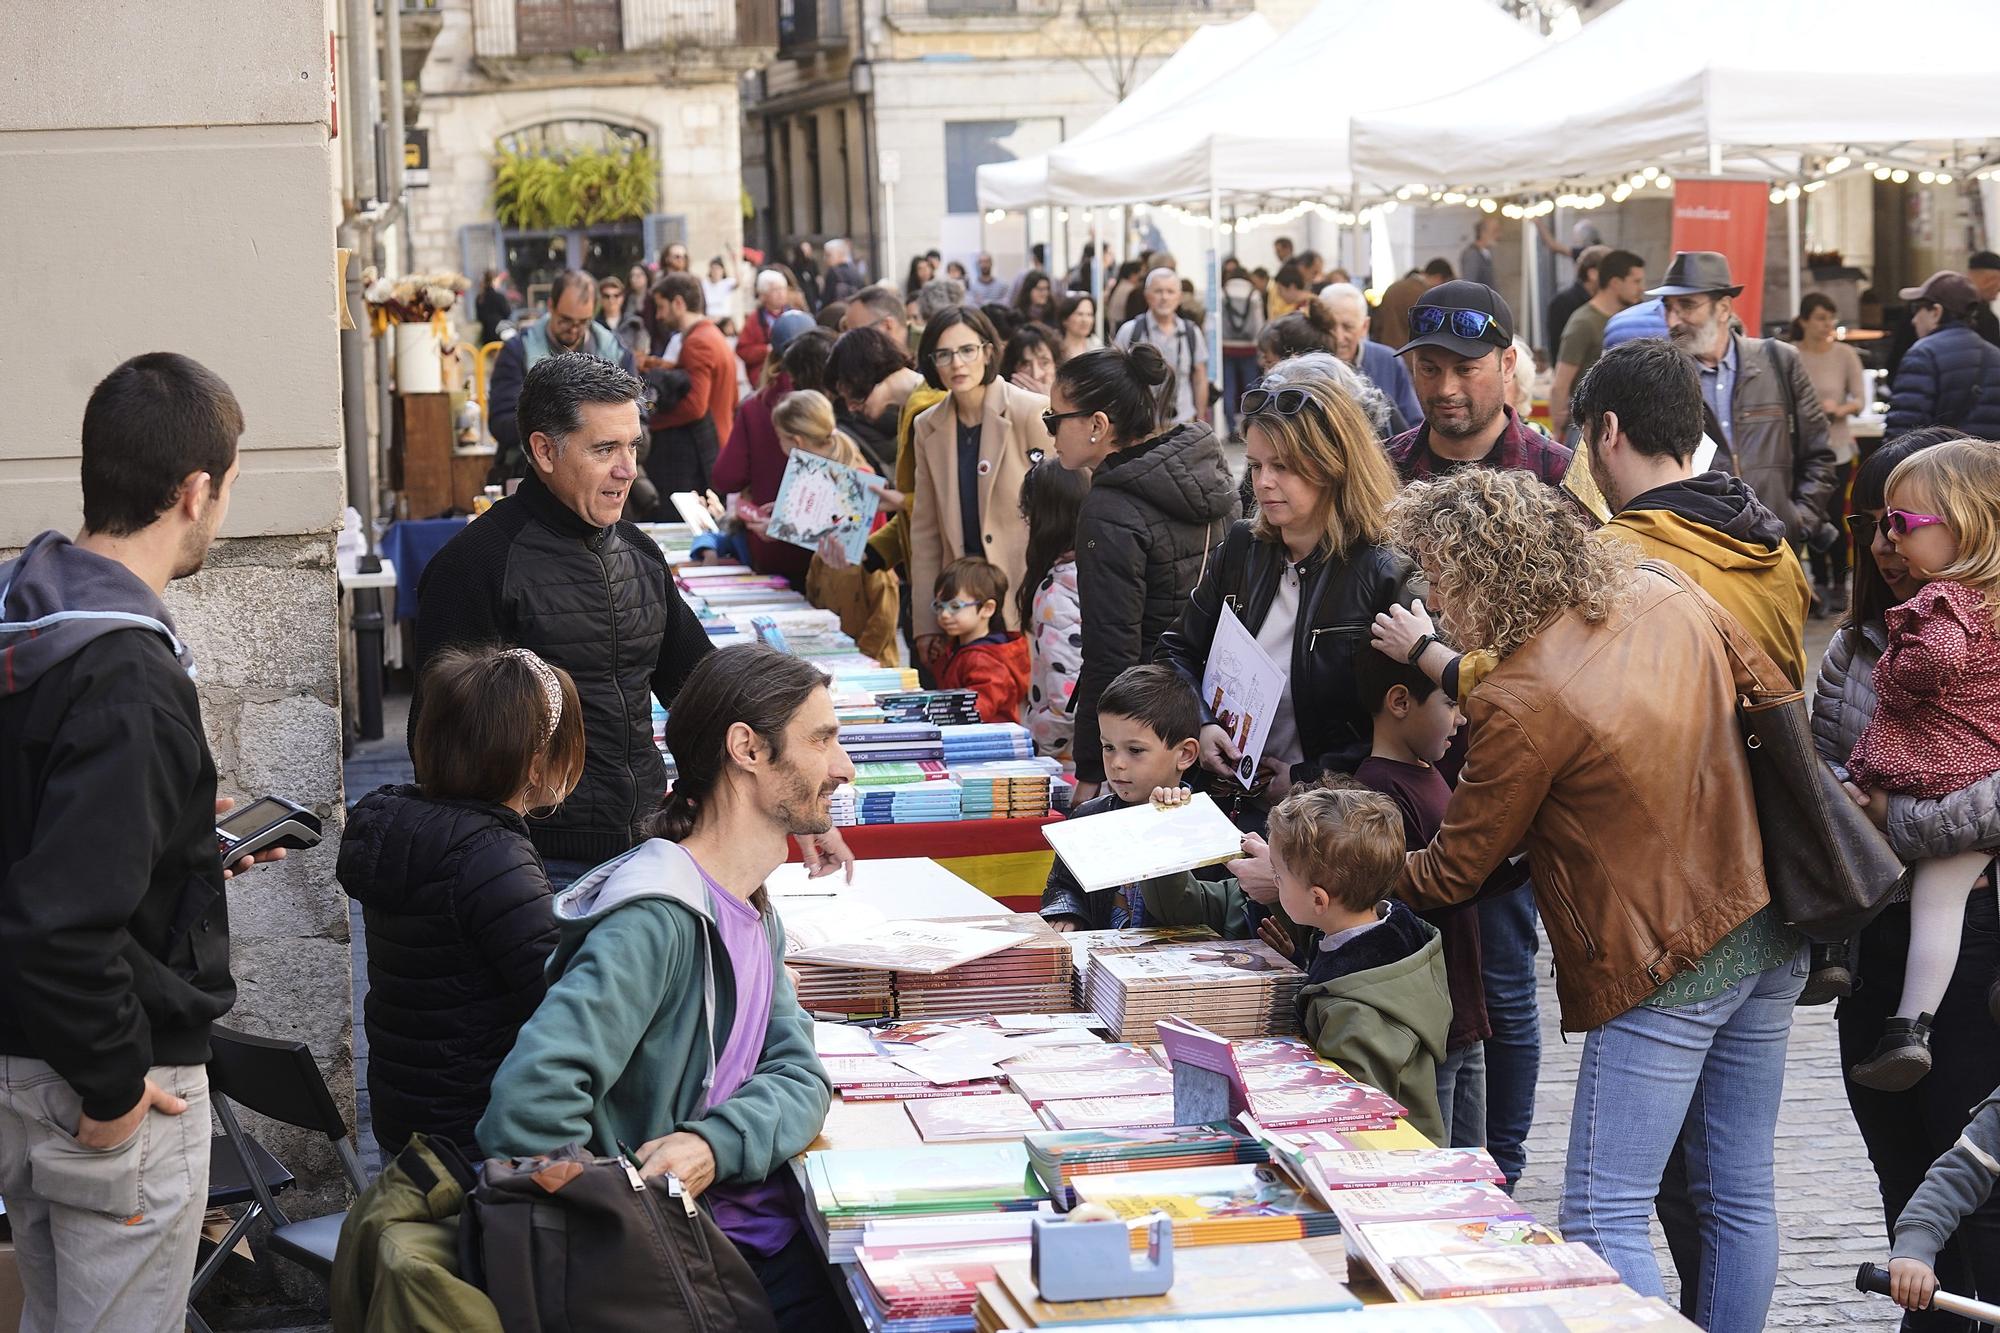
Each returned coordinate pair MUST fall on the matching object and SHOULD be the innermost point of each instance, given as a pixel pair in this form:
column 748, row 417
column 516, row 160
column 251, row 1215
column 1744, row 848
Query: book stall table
column 1007, row 859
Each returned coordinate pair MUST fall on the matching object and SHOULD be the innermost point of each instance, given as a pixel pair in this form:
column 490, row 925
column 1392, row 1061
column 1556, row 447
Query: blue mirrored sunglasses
column 1473, row 324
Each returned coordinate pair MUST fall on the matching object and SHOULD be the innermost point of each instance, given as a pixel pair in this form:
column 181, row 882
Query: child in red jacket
column 993, row 662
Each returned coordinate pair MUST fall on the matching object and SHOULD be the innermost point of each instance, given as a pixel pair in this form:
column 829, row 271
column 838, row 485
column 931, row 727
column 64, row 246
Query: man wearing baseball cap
column 1460, row 357
column 1951, row 375
column 1766, row 413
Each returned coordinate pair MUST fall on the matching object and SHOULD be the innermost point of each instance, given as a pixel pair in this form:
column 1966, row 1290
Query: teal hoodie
column 623, row 1047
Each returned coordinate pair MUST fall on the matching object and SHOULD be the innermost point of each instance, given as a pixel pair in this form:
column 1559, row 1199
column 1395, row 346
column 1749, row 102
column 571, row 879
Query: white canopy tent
column 1685, row 82
column 1214, row 50
column 1276, row 125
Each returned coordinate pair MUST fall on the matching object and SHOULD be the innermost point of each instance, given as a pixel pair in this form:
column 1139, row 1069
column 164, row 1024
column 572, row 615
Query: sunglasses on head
column 1474, row 324
column 1284, row 402
column 1893, row 523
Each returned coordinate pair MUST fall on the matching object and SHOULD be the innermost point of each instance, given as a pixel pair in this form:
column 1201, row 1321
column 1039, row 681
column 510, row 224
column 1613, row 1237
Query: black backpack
column 573, row 1243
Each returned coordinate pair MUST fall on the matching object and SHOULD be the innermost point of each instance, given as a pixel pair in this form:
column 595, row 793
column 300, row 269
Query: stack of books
column 1437, row 1257
column 1268, row 1280
column 1009, row 788
column 892, row 742
column 900, row 773
column 985, row 741
column 1281, row 1084
column 1061, row 1156
column 942, row 707
column 1034, row 975
column 851, row 1188
column 1212, row 1205
column 854, row 673
column 909, row 803
column 1085, row 944
column 925, row 1288
column 1236, row 988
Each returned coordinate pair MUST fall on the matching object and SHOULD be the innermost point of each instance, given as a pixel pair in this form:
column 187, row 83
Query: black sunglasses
column 1050, row 420
column 1473, row 324
column 1285, row 402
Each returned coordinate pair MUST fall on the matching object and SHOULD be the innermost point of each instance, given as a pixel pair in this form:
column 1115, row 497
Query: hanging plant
column 533, row 192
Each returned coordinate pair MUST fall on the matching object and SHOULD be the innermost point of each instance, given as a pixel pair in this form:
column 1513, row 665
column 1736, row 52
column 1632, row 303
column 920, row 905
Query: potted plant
column 415, row 305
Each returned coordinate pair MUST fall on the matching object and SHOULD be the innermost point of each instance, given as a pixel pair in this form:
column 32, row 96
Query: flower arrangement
column 415, row 298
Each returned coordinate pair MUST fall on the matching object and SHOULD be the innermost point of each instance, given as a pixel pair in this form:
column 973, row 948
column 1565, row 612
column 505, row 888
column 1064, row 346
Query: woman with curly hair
column 1604, row 741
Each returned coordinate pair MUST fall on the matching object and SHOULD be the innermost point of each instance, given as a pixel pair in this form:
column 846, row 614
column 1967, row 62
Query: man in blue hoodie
column 114, row 931
column 670, row 1026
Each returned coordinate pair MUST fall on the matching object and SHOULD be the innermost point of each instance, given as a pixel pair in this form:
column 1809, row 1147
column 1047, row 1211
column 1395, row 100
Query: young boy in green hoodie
column 1375, row 1000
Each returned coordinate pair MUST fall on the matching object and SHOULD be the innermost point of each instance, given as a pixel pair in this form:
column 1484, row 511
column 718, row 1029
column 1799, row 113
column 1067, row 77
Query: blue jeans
column 1717, row 1068
column 1462, row 1095
column 1507, row 946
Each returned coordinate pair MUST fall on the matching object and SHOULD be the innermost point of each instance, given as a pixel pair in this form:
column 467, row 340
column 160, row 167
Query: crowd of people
column 1511, row 678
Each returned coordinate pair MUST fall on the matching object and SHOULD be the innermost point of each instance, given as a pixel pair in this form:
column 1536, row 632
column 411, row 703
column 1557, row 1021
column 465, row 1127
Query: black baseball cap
column 1464, row 301
column 1982, row 259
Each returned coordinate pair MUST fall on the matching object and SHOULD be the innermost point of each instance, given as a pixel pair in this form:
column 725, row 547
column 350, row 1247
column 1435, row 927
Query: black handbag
column 1828, row 868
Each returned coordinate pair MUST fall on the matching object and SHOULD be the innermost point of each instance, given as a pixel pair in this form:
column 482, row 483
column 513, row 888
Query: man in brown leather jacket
column 1605, row 742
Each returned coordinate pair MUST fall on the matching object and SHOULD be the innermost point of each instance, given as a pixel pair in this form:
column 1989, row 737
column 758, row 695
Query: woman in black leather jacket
column 1306, row 577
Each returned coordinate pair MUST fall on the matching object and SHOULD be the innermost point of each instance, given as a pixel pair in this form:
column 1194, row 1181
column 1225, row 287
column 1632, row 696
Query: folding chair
column 278, row 1079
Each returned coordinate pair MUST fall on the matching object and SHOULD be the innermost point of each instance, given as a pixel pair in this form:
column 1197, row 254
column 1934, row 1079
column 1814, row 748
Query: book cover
column 1109, row 1112
column 849, row 1071
column 817, row 498
column 1279, row 1278
column 915, row 946
column 1353, row 1104
column 1408, row 1166
column 1056, row 1084
column 989, row 1116
column 1507, row 1268
column 1423, row 1203
column 1144, row 841
column 1241, row 686
column 940, row 1178
column 1043, row 1059
column 1201, row 1194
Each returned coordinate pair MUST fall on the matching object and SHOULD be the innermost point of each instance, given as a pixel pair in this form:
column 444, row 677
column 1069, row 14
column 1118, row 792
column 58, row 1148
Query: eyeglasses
column 1050, row 420
column 1903, row 522
column 1475, row 324
column 1285, row 402
column 953, row 607
column 944, row 356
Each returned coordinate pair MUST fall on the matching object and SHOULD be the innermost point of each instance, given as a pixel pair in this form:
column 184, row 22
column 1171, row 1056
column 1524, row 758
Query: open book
column 1143, row 842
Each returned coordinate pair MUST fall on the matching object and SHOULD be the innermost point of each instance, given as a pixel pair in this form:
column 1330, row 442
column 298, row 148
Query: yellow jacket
column 891, row 542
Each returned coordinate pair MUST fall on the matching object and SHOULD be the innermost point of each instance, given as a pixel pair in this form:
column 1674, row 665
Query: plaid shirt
column 1519, row 446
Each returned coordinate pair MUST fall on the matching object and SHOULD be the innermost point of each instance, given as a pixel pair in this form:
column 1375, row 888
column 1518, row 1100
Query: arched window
column 557, row 137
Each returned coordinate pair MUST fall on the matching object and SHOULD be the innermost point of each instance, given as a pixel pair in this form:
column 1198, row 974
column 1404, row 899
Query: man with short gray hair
column 937, row 296
column 1178, row 340
column 1383, row 368
column 569, row 326
column 879, row 307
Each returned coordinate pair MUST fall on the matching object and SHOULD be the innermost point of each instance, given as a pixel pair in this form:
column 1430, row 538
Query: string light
column 1899, row 176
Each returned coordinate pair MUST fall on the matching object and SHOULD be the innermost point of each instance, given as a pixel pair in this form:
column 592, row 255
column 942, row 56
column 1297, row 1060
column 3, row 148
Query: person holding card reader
column 267, row 823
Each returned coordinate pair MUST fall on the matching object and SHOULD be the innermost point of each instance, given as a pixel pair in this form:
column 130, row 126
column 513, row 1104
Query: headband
column 545, row 676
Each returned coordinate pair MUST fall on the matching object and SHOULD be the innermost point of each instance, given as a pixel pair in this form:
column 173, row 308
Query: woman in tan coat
column 973, row 451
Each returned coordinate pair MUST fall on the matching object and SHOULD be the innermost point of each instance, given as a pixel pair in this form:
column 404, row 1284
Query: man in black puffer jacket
column 553, row 568
column 1951, row 376
column 459, row 926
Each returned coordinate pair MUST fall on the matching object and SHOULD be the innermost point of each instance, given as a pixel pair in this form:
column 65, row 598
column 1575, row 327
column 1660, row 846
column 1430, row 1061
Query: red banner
column 1727, row 216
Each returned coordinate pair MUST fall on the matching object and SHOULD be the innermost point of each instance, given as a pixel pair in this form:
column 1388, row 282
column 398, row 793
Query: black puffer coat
column 1950, row 378
column 460, row 923
column 594, row 601
column 1153, row 513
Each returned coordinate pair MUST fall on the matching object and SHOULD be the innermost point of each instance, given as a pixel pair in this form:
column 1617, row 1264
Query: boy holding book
column 1414, row 722
column 1149, row 723
column 1375, row 1001
column 993, row 663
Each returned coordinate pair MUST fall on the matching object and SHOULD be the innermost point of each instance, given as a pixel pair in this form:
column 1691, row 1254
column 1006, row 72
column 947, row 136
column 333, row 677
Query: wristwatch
column 1418, row 651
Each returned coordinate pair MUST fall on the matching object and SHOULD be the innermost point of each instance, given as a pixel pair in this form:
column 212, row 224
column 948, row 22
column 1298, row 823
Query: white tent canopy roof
column 1657, row 82
column 1277, row 124
column 1213, row 50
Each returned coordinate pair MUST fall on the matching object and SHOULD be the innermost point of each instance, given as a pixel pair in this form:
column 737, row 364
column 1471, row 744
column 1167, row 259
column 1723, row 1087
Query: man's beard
column 801, row 808
column 194, row 549
column 1602, row 476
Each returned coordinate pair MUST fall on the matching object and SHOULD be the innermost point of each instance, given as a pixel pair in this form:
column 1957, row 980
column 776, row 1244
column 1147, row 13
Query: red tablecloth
column 1007, row 859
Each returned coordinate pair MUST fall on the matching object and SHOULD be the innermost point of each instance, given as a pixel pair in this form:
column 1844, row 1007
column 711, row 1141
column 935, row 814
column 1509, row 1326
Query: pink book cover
column 992, row 1116
column 1049, row 1059
column 1352, row 1106
column 1064, row 1084
column 1420, row 1203
column 908, row 1092
column 1273, row 1051
column 1376, row 1168
column 854, row 1071
column 1313, row 1074
column 1507, row 1268
column 1110, row 1112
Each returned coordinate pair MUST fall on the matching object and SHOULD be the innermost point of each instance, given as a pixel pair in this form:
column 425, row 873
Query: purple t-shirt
column 756, row 1215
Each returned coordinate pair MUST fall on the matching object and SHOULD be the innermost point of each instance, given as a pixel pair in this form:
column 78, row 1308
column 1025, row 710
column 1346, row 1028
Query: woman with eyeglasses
column 1160, row 498
column 972, row 452
column 1306, row 578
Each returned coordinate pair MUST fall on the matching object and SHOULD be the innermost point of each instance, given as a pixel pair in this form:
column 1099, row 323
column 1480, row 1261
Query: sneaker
column 1901, row 1058
column 1827, row 983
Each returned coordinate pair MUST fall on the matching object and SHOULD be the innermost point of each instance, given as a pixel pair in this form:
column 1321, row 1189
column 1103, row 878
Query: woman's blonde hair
column 807, row 416
column 1963, row 478
column 1505, row 553
column 1330, row 443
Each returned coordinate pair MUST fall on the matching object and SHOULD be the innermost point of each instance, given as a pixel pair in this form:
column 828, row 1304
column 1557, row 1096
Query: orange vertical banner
column 1728, row 216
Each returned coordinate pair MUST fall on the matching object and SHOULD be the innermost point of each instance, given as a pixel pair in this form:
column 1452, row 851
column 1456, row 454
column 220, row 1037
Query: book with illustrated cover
column 1242, row 687
column 1281, row 1076
column 911, row 1092
column 1382, row 1246
column 1279, row 1278
column 929, row 1281
column 818, row 498
column 1507, row 1268
column 853, row 1071
column 1102, row 1056
column 1353, row 1105
column 947, row 1178
column 1144, row 841
column 1411, row 1166
column 1056, row 1084
column 986, row 1116
column 1061, row 1155
column 1213, row 1205
column 1420, row 1203
column 1110, row 1112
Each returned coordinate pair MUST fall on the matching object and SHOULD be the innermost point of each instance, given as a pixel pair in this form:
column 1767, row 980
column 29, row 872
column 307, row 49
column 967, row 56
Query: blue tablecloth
column 411, row 544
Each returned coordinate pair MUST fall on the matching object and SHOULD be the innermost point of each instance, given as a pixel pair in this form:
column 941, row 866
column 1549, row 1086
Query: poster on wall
column 1727, row 216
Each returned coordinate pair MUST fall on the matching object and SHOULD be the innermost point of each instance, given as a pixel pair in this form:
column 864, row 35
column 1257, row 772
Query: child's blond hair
column 807, row 416
column 1963, row 478
column 1342, row 838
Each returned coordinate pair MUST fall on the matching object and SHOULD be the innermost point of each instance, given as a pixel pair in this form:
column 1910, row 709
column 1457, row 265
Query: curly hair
column 1505, row 553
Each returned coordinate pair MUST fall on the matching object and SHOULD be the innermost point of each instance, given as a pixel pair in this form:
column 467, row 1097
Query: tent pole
column 1213, row 332
column 1096, row 267
column 1793, row 256
column 1531, row 285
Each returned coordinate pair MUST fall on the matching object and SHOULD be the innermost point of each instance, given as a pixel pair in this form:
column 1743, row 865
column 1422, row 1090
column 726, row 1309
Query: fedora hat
column 1698, row 273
